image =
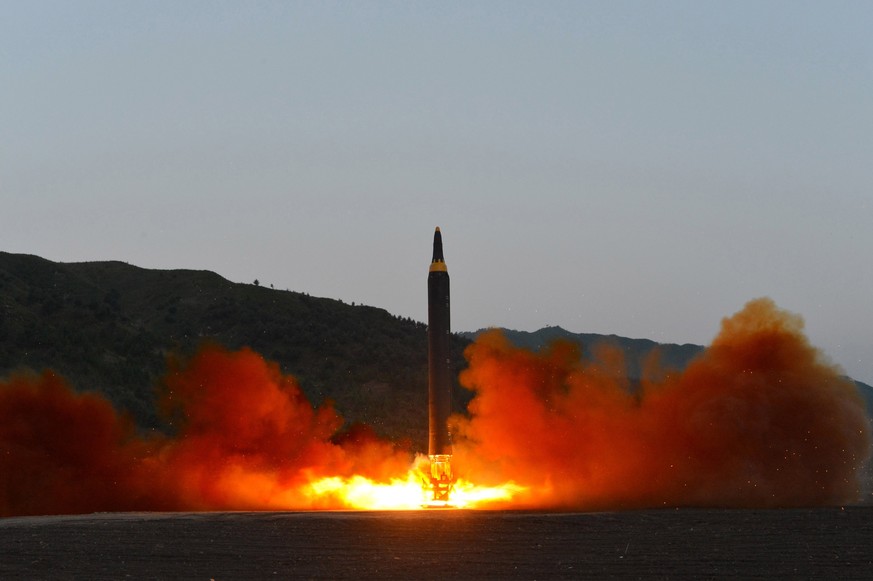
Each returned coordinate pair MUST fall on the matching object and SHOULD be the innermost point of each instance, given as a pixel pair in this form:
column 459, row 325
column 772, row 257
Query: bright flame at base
column 364, row 494
column 410, row 493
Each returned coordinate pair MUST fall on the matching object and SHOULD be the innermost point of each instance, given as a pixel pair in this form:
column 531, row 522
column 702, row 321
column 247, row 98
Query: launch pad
column 441, row 481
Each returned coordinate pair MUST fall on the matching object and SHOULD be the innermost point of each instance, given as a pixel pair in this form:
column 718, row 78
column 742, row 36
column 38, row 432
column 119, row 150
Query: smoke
column 66, row 452
column 246, row 438
column 760, row 419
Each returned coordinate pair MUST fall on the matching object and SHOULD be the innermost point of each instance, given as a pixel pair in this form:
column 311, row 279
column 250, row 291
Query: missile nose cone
column 438, row 246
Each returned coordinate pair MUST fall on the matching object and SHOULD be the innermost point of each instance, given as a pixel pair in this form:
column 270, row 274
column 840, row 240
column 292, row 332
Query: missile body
column 439, row 373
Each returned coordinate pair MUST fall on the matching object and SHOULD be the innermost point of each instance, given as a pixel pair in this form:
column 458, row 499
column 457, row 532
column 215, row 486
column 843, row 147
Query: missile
column 439, row 374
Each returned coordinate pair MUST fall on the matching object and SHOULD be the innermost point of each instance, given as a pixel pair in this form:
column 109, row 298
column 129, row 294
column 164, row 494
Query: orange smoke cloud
column 249, row 439
column 246, row 438
column 66, row 452
column 760, row 419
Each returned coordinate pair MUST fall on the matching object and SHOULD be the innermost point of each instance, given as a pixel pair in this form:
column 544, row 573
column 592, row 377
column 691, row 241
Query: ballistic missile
column 439, row 374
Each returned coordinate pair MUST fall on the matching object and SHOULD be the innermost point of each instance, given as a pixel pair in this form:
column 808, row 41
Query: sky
column 637, row 168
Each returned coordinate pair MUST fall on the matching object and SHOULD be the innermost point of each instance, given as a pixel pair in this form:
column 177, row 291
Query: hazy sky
column 638, row 168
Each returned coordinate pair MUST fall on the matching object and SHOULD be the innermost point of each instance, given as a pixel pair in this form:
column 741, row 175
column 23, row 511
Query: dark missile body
column 438, row 345
column 439, row 387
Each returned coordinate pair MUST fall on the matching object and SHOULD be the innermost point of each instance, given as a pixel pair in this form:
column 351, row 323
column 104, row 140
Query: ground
column 662, row 544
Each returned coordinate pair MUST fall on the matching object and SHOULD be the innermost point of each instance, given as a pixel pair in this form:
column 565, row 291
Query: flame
column 412, row 492
column 361, row 493
column 469, row 495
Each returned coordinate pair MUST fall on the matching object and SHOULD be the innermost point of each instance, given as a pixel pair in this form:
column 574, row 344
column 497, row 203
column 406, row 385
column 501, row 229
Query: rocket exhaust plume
column 441, row 479
column 760, row 419
column 247, row 439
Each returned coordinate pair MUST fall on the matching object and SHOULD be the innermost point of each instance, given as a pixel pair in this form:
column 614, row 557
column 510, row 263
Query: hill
column 109, row 326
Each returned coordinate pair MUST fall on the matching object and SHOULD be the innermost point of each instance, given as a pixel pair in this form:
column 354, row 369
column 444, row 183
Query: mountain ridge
column 109, row 326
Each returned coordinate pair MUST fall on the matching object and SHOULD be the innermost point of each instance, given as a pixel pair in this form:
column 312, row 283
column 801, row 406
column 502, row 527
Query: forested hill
column 108, row 326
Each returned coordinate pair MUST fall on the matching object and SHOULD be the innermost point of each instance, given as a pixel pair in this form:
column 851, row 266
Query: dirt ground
column 667, row 544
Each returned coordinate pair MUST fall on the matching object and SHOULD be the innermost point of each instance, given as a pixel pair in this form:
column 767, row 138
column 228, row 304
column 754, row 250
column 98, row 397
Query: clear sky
column 638, row 168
